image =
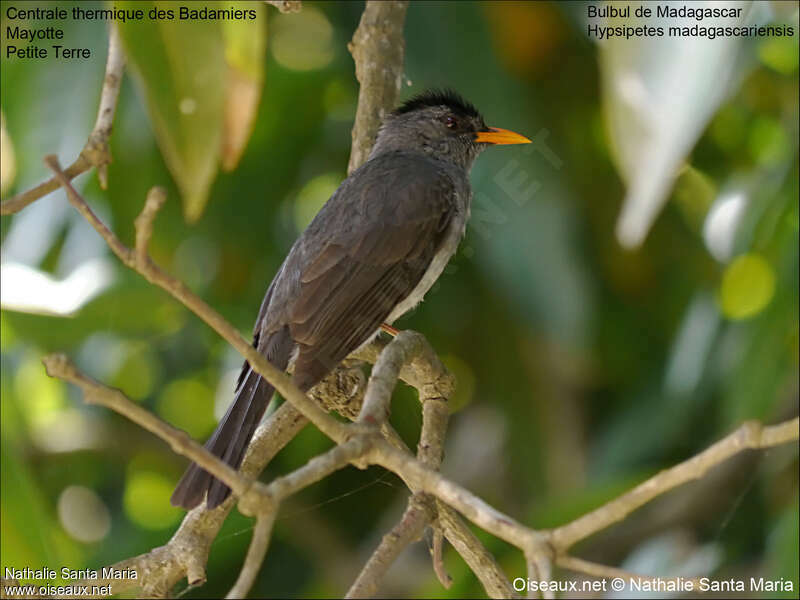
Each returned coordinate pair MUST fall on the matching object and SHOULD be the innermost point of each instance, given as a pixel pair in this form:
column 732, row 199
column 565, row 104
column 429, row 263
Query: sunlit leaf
column 747, row 286
column 45, row 396
column 137, row 373
column 694, row 193
column 146, row 500
column 779, row 53
column 245, row 45
column 768, row 142
column 188, row 393
column 180, row 69
column 302, row 41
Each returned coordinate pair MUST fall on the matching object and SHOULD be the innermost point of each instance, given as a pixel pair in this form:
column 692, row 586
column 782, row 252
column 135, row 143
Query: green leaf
column 245, row 46
column 179, row 66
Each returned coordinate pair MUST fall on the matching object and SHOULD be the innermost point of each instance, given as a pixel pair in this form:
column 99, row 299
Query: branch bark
column 378, row 48
column 751, row 435
column 286, row 6
column 58, row 365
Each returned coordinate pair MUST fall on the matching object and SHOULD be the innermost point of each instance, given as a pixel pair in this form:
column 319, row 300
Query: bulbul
column 369, row 256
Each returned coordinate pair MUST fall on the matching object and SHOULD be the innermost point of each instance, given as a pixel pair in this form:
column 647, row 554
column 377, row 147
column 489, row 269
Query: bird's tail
column 228, row 442
column 233, row 434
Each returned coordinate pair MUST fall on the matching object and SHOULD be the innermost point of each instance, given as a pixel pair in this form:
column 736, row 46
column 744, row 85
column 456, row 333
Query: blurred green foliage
column 583, row 367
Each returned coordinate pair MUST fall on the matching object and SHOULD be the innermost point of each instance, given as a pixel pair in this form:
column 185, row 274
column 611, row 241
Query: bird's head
column 441, row 124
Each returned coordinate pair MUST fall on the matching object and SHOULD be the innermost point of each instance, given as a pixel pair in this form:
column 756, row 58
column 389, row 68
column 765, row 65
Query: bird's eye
column 450, row 122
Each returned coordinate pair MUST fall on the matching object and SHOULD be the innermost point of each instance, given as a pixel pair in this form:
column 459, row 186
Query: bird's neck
column 423, row 147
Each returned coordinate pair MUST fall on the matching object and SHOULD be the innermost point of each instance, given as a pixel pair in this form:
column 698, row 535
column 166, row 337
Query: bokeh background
column 583, row 366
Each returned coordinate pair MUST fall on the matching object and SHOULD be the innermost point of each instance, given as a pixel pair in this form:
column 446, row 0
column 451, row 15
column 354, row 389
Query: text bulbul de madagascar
column 665, row 11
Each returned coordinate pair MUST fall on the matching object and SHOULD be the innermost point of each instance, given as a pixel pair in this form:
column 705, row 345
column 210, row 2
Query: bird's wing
column 381, row 230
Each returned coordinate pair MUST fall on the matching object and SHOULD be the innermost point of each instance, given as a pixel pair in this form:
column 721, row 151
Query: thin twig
column 95, row 152
column 406, row 531
column 151, row 272
column 469, row 547
column 121, row 250
column 437, row 557
column 750, row 435
column 97, row 149
column 471, row 506
column 144, row 222
column 319, row 467
column 420, row 511
column 474, row 553
column 255, row 555
column 58, row 365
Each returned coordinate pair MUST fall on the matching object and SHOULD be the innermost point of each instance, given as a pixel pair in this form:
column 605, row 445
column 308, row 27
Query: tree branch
column 255, row 556
column 750, row 435
column 378, row 48
column 96, row 152
column 58, row 365
column 420, row 511
column 408, row 530
column 155, row 275
column 286, row 6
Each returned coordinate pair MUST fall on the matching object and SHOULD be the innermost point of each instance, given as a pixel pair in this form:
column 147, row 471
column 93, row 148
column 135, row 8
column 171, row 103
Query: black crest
column 445, row 97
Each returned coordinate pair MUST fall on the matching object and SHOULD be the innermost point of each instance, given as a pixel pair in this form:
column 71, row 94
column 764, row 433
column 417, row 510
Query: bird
column 369, row 256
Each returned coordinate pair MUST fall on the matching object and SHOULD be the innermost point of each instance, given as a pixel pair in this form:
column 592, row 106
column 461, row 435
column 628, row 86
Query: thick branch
column 375, row 410
column 286, row 6
column 378, row 48
column 420, row 511
column 96, row 152
column 421, row 367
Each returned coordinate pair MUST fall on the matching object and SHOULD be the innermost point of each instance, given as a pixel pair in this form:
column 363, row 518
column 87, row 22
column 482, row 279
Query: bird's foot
column 390, row 330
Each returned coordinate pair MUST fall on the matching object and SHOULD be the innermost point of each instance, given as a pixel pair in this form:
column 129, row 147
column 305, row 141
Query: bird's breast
column 443, row 254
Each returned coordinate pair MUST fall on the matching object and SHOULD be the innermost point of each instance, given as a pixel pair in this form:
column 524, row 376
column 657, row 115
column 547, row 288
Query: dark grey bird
column 369, row 256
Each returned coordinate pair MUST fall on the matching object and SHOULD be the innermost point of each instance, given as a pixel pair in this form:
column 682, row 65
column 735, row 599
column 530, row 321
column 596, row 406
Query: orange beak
column 493, row 135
